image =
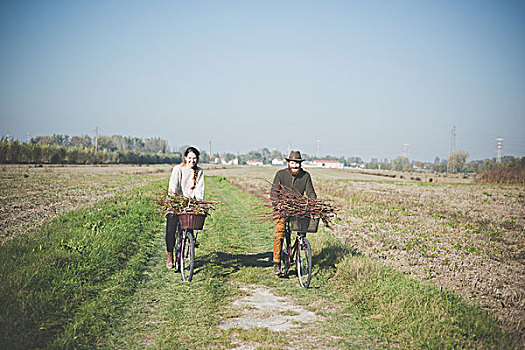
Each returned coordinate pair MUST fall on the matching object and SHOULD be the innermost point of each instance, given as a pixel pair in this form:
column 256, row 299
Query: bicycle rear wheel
column 304, row 262
column 187, row 257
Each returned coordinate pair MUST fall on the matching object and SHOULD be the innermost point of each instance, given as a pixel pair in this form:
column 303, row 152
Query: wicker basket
column 194, row 221
column 304, row 224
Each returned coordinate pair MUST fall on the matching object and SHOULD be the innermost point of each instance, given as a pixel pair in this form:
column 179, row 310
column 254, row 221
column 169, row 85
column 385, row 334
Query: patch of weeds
column 289, row 313
column 452, row 224
column 473, row 250
column 431, row 273
column 494, row 234
column 258, row 335
column 231, row 314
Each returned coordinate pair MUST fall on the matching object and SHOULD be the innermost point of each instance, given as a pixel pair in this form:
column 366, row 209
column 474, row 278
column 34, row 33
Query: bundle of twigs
column 287, row 203
column 175, row 203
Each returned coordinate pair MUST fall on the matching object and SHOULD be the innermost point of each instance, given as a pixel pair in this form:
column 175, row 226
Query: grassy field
column 95, row 278
column 60, row 286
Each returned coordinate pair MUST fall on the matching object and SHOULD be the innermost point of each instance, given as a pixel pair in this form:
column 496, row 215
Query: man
column 293, row 177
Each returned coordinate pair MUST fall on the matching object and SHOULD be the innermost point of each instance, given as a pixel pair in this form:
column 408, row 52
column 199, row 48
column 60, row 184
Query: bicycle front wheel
column 304, row 262
column 177, row 249
column 285, row 256
column 187, row 257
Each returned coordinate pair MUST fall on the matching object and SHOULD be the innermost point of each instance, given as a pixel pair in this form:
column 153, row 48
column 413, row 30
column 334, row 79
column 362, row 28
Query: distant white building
column 254, row 163
column 357, row 165
column 278, row 161
column 321, row 163
column 234, row 161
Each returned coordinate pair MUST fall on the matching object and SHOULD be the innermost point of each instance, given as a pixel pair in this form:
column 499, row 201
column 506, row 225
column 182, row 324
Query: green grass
column 62, row 286
column 410, row 313
column 96, row 279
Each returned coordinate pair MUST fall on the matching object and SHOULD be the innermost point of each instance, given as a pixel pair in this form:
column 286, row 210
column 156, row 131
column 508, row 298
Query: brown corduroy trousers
column 279, row 235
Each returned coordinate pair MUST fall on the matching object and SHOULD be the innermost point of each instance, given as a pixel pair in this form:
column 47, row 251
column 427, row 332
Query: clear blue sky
column 362, row 77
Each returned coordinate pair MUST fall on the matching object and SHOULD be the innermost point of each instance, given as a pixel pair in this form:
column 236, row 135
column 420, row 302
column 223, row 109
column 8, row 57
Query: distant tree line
column 117, row 149
column 109, row 143
column 458, row 163
column 507, row 162
column 61, row 149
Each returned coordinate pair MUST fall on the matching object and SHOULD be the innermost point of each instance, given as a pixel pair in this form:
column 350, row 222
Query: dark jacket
column 302, row 183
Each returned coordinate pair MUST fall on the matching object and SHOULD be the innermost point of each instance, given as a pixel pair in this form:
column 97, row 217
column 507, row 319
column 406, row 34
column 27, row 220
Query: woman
column 186, row 179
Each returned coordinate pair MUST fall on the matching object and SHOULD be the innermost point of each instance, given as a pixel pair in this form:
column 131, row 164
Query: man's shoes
column 277, row 269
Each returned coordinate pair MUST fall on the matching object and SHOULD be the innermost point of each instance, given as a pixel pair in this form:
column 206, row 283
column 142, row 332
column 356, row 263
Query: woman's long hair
column 195, row 169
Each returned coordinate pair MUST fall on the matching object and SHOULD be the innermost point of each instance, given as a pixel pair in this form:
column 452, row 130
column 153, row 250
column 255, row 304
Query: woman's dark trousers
column 171, row 228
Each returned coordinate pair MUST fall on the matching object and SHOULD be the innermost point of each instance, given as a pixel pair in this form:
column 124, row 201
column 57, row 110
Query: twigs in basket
column 286, row 202
column 175, row 203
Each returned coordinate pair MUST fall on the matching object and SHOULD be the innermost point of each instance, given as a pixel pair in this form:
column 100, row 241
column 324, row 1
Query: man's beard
column 294, row 171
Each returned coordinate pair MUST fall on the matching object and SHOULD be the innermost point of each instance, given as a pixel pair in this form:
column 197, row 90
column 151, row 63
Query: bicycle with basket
column 191, row 214
column 300, row 251
column 184, row 253
column 303, row 215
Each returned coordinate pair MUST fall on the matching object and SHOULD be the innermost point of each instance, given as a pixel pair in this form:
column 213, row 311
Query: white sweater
column 181, row 182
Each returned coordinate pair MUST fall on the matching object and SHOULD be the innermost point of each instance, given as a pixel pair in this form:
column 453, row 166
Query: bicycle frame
column 294, row 247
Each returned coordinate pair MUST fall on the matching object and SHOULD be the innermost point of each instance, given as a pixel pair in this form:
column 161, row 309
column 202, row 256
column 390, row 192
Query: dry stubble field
column 30, row 196
column 465, row 237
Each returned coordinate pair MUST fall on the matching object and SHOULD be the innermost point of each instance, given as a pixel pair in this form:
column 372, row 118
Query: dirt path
column 262, row 308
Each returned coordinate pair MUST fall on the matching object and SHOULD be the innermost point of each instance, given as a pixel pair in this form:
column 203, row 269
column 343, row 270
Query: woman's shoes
column 169, row 264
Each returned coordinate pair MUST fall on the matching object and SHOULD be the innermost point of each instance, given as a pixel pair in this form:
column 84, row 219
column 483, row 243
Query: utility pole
column 209, row 149
column 318, row 149
column 96, row 139
column 451, row 158
column 500, row 148
column 405, row 150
